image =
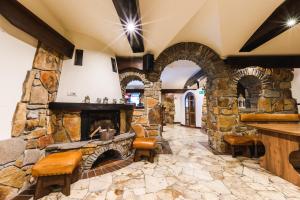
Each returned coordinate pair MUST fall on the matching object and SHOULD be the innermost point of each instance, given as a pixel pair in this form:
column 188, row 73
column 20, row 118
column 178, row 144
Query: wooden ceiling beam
column 274, row 25
column 129, row 11
column 25, row 20
column 193, row 79
column 280, row 61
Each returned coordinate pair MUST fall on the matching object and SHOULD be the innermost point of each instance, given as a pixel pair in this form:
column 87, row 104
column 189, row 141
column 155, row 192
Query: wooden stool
column 144, row 147
column 58, row 169
column 236, row 141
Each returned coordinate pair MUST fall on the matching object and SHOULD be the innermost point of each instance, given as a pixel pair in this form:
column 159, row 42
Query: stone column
column 32, row 116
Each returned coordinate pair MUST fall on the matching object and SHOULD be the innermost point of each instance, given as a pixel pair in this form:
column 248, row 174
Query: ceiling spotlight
column 130, row 27
column 291, row 22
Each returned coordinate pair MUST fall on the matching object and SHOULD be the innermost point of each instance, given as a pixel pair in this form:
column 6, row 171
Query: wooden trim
column 280, row 61
column 274, row 25
column 126, row 10
column 89, row 106
column 25, row 20
column 164, row 91
column 194, row 78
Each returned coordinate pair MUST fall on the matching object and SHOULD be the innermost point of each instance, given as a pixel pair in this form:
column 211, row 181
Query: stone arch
column 93, row 157
column 264, row 75
column 127, row 76
column 203, row 56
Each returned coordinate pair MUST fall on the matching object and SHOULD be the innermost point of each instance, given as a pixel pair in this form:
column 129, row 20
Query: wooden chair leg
column 151, row 157
column 39, row 189
column 233, row 151
column 67, row 185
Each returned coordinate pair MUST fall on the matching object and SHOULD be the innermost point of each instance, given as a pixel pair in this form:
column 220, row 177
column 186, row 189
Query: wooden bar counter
column 280, row 140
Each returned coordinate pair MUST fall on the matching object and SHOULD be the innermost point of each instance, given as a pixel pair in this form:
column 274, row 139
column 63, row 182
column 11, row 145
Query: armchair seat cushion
column 57, row 164
column 144, row 143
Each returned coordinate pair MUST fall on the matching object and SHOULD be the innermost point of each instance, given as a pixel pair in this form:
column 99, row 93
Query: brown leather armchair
column 144, row 145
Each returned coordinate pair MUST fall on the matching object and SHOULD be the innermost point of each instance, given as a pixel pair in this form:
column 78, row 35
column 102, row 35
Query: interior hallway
column 191, row 172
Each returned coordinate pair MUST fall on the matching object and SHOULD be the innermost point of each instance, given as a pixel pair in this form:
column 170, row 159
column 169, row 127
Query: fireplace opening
column 249, row 88
column 106, row 158
column 92, row 122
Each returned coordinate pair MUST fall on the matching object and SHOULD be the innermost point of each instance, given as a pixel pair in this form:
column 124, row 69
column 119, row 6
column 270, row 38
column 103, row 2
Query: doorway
column 190, row 111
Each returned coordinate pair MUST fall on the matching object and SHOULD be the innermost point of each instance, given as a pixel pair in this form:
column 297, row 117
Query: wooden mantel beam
column 25, row 20
column 278, row 61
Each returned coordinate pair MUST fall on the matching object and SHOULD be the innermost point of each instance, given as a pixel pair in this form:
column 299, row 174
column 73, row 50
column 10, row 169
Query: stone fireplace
column 73, row 124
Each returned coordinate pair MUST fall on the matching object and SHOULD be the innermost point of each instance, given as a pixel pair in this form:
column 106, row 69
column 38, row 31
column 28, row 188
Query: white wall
column 198, row 106
column 16, row 59
column 178, row 112
column 95, row 79
column 296, row 86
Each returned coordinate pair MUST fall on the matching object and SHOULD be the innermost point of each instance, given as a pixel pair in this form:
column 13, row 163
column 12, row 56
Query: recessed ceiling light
column 291, row 22
column 130, row 27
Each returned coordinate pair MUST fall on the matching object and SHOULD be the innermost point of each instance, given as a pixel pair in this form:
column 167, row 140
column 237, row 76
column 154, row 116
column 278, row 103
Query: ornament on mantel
column 99, row 100
column 105, row 100
column 87, row 99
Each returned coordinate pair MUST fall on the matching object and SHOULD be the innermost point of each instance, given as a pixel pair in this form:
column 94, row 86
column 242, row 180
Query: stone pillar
column 32, row 116
column 30, row 128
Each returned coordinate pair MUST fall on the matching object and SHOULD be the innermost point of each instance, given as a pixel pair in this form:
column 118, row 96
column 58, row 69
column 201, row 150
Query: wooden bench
column 145, row 146
column 249, row 141
column 58, row 169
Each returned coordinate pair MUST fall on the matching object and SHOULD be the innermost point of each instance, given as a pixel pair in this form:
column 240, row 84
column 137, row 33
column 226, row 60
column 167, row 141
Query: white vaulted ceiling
column 175, row 75
column 223, row 25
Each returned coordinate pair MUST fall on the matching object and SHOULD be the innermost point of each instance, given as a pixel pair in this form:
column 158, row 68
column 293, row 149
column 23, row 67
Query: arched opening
column 173, row 79
column 190, row 110
column 135, row 93
column 107, row 157
column 249, row 89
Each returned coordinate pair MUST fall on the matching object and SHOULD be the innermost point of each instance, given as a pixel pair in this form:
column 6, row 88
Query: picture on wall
column 114, row 65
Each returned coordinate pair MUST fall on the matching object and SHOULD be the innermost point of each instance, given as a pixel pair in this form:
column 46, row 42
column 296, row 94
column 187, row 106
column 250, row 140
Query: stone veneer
column 168, row 103
column 221, row 89
column 30, row 128
column 149, row 116
column 92, row 149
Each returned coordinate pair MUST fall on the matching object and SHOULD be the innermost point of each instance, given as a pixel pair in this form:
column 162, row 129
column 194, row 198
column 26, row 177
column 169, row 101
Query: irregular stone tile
column 12, row 176
column 271, row 195
column 154, row 184
column 11, row 150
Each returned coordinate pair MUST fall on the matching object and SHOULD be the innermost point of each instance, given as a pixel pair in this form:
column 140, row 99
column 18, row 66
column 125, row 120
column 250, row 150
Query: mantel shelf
column 89, row 106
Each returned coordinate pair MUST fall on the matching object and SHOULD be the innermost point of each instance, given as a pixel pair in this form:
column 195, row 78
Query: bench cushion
column 144, row 143
column 269, row 117
column 238, row 140
column 57, row 164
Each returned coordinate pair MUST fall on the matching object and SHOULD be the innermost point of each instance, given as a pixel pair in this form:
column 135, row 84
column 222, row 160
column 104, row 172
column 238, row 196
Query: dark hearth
column 106, row 158
column 92, row 120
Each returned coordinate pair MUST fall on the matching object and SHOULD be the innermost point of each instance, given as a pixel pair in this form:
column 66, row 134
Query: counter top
column 286, row 129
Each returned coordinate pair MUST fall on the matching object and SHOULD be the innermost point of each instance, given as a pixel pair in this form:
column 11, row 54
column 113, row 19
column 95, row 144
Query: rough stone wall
column 221, row 89
column 30, row 128
column 168, row 103
column 150, row 116
column 204, row 114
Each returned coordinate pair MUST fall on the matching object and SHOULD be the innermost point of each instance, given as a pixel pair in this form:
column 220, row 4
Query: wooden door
column 190, row 110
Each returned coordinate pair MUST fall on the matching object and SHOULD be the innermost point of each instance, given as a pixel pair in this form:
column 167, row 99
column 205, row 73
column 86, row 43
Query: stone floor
column 192, row 172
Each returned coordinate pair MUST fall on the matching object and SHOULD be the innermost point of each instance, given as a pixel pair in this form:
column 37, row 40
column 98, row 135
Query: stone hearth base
column 92, row 149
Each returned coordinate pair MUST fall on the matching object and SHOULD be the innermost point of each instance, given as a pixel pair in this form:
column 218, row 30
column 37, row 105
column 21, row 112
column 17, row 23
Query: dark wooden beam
column 292, row 61
column 129, row 10
column 274, row 25
column 25, row 20
column 193, row 79
column 164, row 91
column 129, row 62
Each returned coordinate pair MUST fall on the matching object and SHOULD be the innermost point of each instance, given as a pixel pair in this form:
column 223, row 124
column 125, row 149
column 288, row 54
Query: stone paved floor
column 192, row 172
